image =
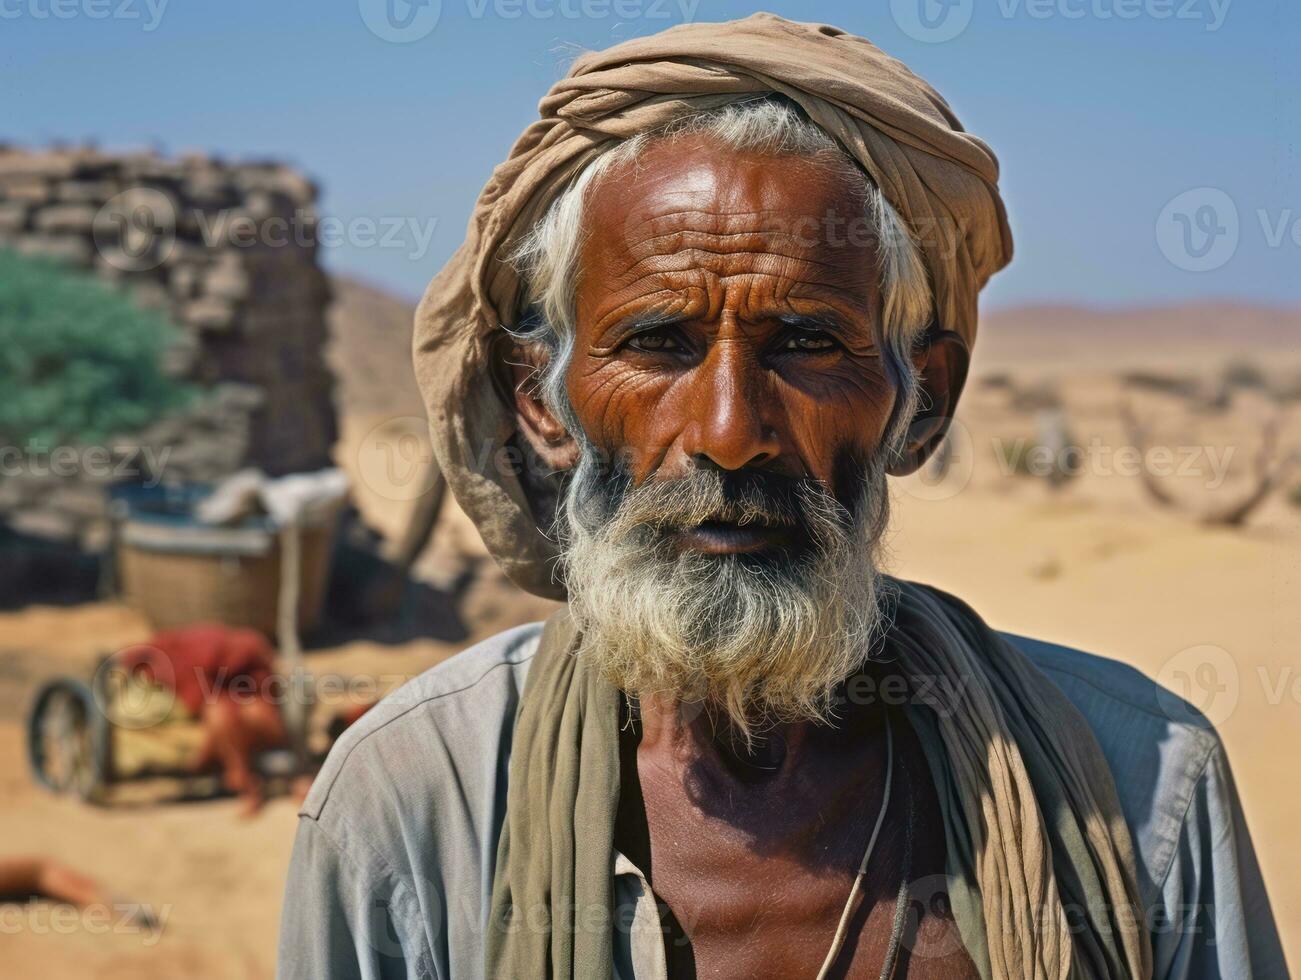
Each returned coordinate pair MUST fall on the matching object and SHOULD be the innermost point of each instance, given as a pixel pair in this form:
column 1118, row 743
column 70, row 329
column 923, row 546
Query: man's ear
column 522, row 366
column 942, row 371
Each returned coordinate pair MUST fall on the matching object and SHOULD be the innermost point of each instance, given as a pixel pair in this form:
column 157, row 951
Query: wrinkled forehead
column 690, row 196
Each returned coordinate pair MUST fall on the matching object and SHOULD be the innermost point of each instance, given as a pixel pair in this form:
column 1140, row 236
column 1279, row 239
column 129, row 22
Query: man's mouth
column 731, row 538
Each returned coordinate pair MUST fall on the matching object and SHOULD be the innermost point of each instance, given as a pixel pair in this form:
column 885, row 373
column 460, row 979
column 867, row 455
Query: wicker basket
column 177, row 572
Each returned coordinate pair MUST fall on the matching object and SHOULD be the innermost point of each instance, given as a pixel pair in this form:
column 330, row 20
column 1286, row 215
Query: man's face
column 721, row 525
column 727, row 317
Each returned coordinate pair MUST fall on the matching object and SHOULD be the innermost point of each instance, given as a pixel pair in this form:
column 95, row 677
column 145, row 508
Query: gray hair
column 547, row 257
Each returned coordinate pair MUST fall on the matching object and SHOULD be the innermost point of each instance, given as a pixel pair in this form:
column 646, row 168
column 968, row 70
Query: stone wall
column 229, row 252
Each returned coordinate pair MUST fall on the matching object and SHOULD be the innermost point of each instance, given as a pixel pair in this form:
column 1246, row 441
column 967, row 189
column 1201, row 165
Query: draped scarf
column 1040, row 865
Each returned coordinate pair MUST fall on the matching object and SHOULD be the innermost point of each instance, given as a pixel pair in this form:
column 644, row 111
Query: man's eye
column 653, row 342
column 809, row 342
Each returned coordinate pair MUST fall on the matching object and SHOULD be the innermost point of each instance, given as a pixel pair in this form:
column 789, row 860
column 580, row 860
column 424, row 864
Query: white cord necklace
column 838, row 943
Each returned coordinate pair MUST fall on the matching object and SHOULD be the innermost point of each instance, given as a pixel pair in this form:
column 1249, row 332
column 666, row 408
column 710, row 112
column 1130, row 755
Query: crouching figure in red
column 224, row 677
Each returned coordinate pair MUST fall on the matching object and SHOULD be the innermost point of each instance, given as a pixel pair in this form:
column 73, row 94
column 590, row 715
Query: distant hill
column 370, row 351
column 1189, row 336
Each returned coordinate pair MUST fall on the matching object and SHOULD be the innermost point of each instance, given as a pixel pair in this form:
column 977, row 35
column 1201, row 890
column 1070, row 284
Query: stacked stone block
column 228, row 251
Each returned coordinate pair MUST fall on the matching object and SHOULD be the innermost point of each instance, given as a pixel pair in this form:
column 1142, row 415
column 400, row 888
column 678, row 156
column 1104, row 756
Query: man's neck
column 701, row 735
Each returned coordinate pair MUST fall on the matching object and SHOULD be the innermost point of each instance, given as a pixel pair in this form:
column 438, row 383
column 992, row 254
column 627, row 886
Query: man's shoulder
column 1157, row 745
column 1107, row 691
column 401, row 823
column 420, row 733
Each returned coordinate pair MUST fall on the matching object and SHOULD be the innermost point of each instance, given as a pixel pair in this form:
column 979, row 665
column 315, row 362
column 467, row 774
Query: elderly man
column 720, row 292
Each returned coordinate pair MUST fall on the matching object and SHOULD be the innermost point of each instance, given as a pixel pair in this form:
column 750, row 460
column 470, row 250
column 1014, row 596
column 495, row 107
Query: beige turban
column 941, row 180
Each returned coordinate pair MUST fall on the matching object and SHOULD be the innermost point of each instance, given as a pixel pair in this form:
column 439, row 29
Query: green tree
column 79, row 362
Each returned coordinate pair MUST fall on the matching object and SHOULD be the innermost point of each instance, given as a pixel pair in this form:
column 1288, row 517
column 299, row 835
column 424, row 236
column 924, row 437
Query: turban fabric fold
column 941, row 180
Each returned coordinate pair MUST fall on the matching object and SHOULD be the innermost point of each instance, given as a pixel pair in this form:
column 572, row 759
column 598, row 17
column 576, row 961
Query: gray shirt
column 392, row 868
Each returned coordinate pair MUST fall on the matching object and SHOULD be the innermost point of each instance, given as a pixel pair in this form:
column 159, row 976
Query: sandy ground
column 1096, row 564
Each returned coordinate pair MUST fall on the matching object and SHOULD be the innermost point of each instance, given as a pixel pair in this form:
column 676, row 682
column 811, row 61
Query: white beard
column 763, row 641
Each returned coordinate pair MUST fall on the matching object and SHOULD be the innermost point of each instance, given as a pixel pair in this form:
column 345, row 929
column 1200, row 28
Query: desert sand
column 1096, row 563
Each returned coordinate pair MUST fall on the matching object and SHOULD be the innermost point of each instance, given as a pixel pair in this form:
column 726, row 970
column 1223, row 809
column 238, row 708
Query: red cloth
column 198, row 662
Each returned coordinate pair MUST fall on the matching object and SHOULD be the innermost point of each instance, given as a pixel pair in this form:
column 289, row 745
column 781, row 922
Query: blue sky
column 1102, row 112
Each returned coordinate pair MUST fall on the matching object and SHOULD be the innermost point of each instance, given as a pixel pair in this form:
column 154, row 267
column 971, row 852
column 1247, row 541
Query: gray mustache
column 704, row 495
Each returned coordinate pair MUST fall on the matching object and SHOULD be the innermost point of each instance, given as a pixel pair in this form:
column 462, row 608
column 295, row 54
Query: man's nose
column 729, row 401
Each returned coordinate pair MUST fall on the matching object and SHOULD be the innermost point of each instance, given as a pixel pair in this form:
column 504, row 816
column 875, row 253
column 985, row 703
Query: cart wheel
column 67, row 740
